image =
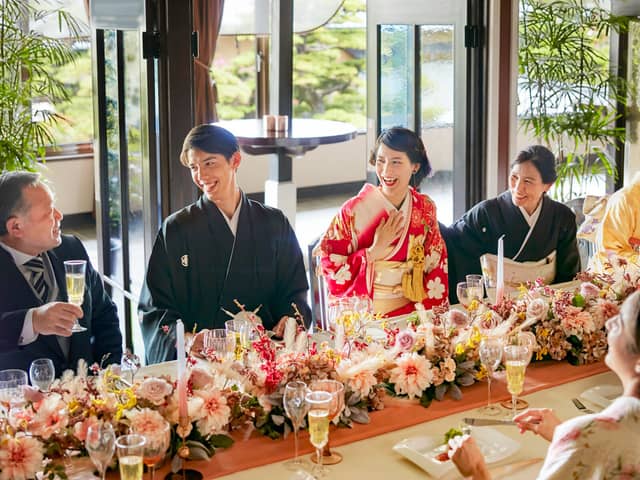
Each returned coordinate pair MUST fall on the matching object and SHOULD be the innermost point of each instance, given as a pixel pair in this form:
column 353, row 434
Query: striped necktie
column 37, row 277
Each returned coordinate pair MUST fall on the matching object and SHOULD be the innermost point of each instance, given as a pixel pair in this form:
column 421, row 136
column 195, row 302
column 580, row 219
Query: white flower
column 435, row 288
column 431, row 261
column 146, row 422
column 20, row 458
column 342, row 275
column 537, row 309
column 215, row 411
column 412, row 374
column 338, row 259
column 359, row 375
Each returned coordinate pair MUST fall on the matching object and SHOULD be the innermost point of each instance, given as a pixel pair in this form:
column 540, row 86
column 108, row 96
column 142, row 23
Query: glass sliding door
column 127, row 215
column 417, row 79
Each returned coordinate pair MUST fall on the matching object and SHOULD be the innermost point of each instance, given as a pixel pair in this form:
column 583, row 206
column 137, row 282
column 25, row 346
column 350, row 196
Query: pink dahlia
column 215, row 412
column 20, row 458
column 411, row 375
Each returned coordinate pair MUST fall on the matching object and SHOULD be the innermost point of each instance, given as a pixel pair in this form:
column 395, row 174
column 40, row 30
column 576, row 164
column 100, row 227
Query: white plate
column 603, row 395
column 423, row 450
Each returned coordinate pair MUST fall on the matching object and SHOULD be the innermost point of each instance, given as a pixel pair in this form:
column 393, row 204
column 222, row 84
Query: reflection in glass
column 396, row 76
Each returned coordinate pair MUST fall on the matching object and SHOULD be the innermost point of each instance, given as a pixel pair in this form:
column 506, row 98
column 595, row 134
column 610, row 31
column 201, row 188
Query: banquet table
column 367, row 449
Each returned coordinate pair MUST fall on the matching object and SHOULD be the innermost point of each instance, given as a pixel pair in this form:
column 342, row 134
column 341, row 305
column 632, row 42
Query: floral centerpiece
column 430, row 355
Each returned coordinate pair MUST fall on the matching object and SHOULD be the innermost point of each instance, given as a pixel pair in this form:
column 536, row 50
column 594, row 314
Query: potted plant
column 567, row 90
column 26, row 81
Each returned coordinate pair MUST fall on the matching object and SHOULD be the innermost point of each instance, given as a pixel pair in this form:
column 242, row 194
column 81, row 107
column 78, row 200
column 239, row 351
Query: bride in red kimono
column 385, row 243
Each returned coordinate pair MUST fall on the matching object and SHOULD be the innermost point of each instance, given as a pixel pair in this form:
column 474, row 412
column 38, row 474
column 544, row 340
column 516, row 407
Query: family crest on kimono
column 534, row 226
column 385, row 243
column 222, row 249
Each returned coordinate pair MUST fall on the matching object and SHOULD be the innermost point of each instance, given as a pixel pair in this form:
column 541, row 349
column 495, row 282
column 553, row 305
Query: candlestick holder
column 183, row 453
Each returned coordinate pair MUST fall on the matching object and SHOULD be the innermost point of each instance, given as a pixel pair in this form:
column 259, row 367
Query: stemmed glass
column 12, row 383
column 101, row 443
column 240, row 330
column 319, row 404
column 336, row 389
column 41, row 373
column 475, row 285
column 464, row 294
column 515, row 359
column 490, row 355
column 155, row 447
column 130, row 449
column 75, row 276
column 296, row 408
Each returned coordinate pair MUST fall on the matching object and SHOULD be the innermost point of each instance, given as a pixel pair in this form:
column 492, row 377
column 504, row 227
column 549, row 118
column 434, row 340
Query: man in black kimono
column 221, row 249
column 513, row 213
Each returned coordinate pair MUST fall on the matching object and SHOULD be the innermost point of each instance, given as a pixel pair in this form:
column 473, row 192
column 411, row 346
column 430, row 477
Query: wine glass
column 130, row 449
column 41, row 373
column 295, row 407
column 12, row 382
column 490, row 355
column 155, row 447
column 515, row 359
column 463, row 293
column 101, row 443
column 336, row 389
column 319, row 403
column 75, row 275
column 475, row 284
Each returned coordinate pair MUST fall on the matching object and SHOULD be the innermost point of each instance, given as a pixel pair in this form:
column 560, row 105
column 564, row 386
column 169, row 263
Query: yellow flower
column 460, row 349
column 473, row 306
column 481, row 373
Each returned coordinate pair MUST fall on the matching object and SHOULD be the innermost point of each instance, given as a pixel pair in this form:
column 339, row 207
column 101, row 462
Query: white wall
column 72, row 183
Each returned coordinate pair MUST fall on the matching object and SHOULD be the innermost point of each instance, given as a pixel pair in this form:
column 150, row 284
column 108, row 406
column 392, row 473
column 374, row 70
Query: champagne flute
column 130, row 450
column 41, row 373
column 490, row 356
column 319, row 403
column 515, row 359
column 155, row 447
column 239, row 329
column 75, row 275
column 295, row 407
column 101, row 443
column 336, row 389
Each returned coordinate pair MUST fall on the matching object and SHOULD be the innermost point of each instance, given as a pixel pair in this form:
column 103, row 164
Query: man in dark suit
column 35, row 317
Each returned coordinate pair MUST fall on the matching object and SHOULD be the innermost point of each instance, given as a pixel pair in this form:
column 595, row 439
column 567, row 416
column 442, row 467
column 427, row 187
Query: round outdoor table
column 303, row 135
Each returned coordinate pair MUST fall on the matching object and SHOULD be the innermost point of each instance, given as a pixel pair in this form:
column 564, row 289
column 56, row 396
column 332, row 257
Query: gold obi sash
column 395, row 283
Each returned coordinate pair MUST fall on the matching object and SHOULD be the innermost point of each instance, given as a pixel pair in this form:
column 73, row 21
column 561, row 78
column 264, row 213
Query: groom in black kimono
column 221, row 249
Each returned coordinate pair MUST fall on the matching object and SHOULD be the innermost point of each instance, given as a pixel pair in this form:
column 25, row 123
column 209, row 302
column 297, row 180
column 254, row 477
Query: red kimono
column 413, row 270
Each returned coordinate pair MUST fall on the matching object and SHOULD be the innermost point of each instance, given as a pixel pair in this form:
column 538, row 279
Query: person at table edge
column 221, row 249
column 385, row 243
column 39, row 326
column 604, row 445
column 619, row 232
column 524, row 206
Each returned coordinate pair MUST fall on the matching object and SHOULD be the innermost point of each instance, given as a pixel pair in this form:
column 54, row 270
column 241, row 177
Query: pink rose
column 537, row 309
column 200, row 378
column 588, row 289
column 155, row 390
column 405, row 340
column 458, row 318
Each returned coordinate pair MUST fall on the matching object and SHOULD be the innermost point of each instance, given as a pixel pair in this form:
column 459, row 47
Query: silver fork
column 580, row 406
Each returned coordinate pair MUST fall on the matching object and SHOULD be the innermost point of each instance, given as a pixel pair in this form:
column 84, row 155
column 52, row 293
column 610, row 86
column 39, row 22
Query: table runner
column 398, row 413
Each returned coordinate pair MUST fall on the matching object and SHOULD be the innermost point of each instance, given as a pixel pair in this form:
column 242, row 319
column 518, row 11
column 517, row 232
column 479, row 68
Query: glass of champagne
column 12, row 382
column 41, row 373
column 101, row 443
column 75, row 275
column 490, row 351
column 295, row 407
column 130, row 449
column 515, row 360
column 239, row 329
column 155, row 448
column 319, row 404
column 336, row 389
